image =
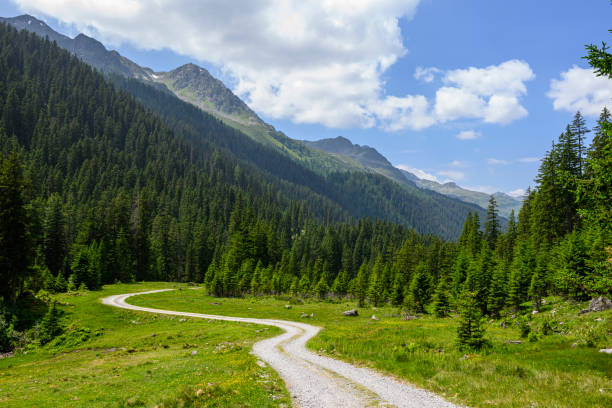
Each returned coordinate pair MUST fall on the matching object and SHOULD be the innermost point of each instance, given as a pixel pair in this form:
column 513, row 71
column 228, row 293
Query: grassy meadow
column 542, row 371
column 110, row 357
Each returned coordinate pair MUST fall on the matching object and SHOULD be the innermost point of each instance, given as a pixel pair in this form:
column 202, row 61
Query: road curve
column 314, row 381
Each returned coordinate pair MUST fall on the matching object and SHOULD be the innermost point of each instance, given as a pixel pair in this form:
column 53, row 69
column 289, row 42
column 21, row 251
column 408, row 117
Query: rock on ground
column 600, row 304
column 352, row 312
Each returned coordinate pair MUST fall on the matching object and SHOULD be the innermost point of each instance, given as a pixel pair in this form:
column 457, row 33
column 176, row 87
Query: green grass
column 548, row 372
column 117, row 358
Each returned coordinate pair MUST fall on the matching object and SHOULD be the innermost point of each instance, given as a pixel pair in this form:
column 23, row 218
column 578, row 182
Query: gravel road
column 315, row 381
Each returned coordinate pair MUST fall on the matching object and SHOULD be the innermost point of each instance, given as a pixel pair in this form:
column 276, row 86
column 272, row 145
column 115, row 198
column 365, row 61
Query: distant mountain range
column 371, row 159
column 198, row 87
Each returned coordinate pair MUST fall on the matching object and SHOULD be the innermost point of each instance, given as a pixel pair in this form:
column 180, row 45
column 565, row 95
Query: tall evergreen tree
column 54, row 235
column 15, row 239
column 579, row 130
column 492, row 227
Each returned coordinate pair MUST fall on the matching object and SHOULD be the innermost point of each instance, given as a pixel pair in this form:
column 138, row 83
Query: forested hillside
column 284, row 157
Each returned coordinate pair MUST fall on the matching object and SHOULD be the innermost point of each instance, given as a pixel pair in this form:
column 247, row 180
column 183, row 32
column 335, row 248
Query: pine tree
column 360, row 286
column 15, row 219
column 50, row 326
column 418, row 292
column 470, row 333
column 441, row 301
column 54, row 235
column 322, row 288
column 573, row 269
column 520, row 276
column 376, row 284
column 304, row 285
column 539, row 282
column 340, row 285
column 579, row 130
column 497, row 289
column 491, row 227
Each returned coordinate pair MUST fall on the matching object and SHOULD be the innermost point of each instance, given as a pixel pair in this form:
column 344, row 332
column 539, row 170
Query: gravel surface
column 315, row 381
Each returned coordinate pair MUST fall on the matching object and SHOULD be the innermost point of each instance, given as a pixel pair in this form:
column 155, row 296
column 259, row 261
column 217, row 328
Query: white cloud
column 452, row 174
column 418, row 172
column 518, row 193
column 401, row 113
column 490, row 94
column 426, row 74
column 309, row 62
column 580, row 89
column 497, row 162
column 529, row 159
column 468, row 135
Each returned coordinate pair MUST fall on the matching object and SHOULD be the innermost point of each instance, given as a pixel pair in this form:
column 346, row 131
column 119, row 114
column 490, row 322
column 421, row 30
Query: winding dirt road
column 314, row 381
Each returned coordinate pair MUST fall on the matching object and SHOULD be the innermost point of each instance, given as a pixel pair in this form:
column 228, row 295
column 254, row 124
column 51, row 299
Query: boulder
column 304, row 315
column 287, row 306
column 515, row 342
column 194, row 353
column 600, row 304
column 607, row 351
column 374, row 317
column 352, row 312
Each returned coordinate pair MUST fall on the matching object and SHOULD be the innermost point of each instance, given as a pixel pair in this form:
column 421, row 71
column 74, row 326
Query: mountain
column 86, row 48
column 356, row 189
column 367, row 156
column 372, row 160
column 506, row 204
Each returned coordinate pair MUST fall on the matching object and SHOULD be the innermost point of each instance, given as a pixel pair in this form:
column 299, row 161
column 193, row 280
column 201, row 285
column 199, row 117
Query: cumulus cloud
column 580, row 89
column 418, row 172
column 426, row 74
column 468, row 135
column 309, row 62
column 491, row 94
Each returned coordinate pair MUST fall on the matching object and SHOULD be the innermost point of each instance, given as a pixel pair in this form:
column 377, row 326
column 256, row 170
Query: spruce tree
column 539, row 282
column 360, row 286
column 15, row 219
column 50, row 326
column 54, row 235
column 419, row 290
column 579, row 130
column 497, row 290
column 491, row 227
column 322, row 288
column 441, row 298
column 470, row 332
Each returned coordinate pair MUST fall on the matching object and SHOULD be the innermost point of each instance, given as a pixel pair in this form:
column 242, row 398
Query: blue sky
column 506, row 76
